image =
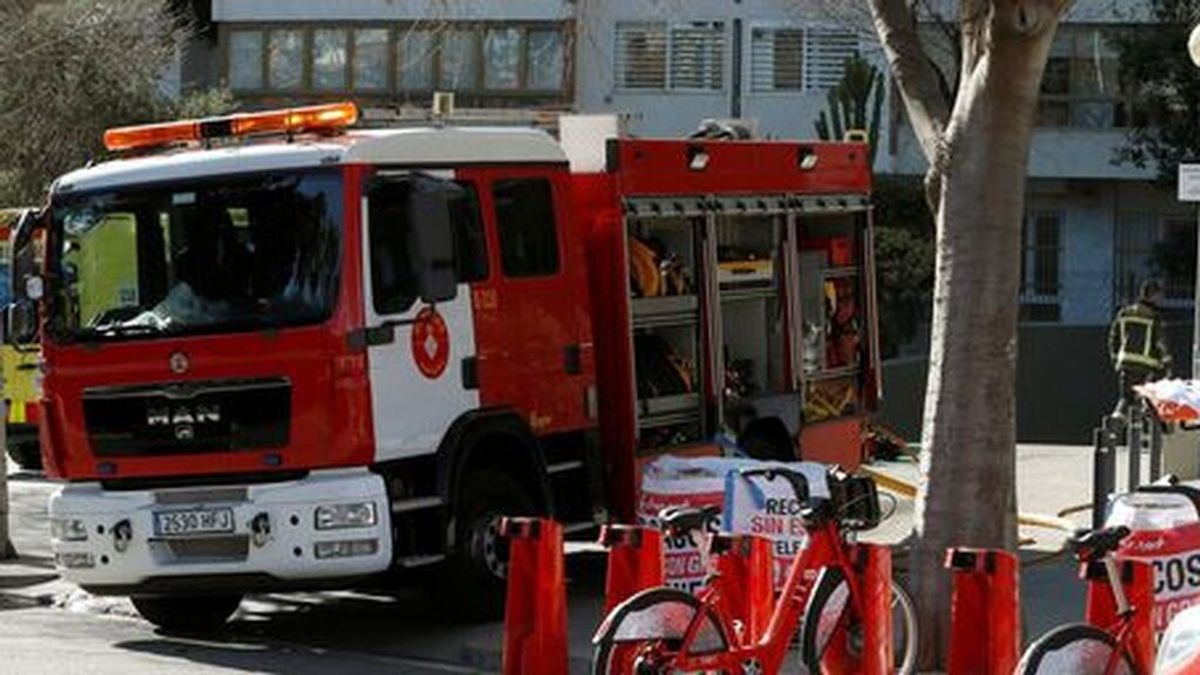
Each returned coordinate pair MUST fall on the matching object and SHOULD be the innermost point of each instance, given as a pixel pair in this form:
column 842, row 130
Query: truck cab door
column 535, row 351
column 419, row 354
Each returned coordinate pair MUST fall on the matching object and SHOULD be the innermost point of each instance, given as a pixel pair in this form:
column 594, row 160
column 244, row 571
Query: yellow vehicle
column 19, row 367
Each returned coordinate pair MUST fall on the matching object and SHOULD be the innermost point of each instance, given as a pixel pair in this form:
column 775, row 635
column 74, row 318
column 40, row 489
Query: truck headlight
column 340, row 516
column 68, row 529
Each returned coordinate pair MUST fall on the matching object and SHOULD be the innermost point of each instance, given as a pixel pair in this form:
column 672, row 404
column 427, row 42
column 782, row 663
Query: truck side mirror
column 431, row 240
column 20, row 322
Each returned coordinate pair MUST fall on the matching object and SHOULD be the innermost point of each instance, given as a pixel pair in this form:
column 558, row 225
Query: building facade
column 1092, row 225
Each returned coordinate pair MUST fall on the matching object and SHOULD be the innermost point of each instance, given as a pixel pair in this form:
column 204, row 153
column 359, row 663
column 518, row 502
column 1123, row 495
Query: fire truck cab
column 335, row 353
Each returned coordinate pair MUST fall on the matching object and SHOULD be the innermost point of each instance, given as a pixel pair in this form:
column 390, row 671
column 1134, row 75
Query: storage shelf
column 668, row 310
column 667, row 410
column 840, row 272
column 748, row 293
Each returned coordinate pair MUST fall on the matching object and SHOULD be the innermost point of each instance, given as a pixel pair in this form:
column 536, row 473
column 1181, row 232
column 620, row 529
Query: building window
column 487, row 58
column 246, row 59
column 414, row 60
column 285, row 59
column 641, row 56
column 1080, row 87
column 371, row 59
column 460, row 60
column 826, row 51
column 697, row 53
column 1154, row 246
column 546, row 60
column 329, row 59
column 678, row 56
column 502, row 58
column 1040, row 266
column 776, row 59
column 525, row 220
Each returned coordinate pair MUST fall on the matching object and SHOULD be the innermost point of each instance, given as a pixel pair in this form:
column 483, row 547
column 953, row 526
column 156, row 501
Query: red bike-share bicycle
column 1118, row 638
column 664, row 630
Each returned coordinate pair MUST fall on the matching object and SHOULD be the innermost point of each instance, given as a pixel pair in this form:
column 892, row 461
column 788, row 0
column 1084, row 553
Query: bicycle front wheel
column 830, row 616
column 1074, row 649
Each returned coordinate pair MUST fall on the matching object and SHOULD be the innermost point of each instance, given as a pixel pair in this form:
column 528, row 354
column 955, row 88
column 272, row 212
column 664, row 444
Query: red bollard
column 1137, row 578
column 877, row 609
column 985, row 631
column 535, row 616
column 635, row 561
column 746, row 569
column 873, row 564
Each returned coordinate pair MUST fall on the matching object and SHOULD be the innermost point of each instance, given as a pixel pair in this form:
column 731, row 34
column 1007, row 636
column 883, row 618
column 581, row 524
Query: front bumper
column 282, row 556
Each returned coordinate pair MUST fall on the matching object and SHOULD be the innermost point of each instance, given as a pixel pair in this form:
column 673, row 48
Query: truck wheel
column 187, row 612
column 476, row 572
column 26, row 454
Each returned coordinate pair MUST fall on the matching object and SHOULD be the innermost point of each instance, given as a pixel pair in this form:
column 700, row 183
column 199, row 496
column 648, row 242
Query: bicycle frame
column 825, row 549
column 1110, row 609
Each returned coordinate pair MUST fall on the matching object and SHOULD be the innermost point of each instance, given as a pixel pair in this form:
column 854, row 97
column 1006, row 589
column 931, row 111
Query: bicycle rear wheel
column 830, row 616
column 1074, row 649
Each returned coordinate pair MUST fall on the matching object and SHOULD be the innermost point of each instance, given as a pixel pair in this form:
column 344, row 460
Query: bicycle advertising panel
column 1165, row 524
column 770, row 507
column 758, row 506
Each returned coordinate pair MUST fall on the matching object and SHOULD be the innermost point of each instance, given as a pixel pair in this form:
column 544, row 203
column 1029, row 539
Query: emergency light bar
column 327, row 118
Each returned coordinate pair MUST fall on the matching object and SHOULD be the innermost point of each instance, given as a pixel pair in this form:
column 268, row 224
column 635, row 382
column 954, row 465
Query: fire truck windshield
column 199, row 256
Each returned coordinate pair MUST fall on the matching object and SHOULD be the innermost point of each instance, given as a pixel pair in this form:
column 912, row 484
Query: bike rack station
column 535, row 616
column 635, row 561
column 985, row 624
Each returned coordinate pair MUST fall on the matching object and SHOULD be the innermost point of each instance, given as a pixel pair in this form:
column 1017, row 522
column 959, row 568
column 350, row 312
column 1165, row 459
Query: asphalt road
column 49, row 626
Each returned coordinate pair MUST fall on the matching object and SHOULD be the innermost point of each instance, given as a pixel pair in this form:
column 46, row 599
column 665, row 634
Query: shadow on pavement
column 321, row 630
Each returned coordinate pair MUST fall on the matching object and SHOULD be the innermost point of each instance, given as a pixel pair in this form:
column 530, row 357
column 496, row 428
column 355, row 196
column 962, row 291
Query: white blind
column 777, row 59
column 684, row 56
column 641, row 56
column 825, row 54
column 697, row 51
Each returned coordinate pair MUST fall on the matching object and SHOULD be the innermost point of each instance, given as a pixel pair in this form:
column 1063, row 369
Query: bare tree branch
column 928, row 110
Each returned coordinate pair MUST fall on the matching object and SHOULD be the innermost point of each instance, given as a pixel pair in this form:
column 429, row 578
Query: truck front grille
column 188, row 417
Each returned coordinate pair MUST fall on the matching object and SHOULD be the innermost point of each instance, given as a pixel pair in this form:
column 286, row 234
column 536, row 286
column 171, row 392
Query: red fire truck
column 322, row 353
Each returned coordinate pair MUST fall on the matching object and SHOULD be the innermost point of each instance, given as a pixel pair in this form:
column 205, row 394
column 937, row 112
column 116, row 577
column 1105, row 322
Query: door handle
column 573, row 359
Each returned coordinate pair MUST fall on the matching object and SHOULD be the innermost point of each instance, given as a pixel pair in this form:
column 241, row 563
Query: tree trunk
column 968, row 496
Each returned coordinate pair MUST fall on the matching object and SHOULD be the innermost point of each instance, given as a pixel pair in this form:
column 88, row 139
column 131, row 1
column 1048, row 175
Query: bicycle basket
column 857, row 501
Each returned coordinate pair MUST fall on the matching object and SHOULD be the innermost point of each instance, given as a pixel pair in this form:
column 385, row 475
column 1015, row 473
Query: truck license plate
column 193, row 521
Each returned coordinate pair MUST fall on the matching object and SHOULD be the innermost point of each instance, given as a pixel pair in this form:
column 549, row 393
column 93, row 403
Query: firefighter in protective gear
column 1137, row 345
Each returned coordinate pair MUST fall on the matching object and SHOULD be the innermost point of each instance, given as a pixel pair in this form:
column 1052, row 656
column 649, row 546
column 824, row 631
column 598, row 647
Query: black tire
column 26, row 454
column 1074, row 649
column 830, row 599
column 187, row 613
column 474, row 576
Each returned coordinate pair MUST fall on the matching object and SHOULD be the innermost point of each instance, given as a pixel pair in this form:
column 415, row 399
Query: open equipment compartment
column 759, row 232
column 665, row 253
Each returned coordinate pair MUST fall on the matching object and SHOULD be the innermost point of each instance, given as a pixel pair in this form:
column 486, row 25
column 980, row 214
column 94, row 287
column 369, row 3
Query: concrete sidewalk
column 50, row 626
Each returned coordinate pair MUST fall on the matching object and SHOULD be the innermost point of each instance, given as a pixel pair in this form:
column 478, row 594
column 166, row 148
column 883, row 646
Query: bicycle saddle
column 684, row 519
column 1095, row 544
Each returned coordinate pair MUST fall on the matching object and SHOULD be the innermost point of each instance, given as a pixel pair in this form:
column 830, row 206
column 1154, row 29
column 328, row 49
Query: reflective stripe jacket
column 1136, row 339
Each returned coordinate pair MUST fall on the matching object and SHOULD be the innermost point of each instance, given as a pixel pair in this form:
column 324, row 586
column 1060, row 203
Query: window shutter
column 776, row 59
column 641, row 56
column 825, row 54
column 697, row 55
